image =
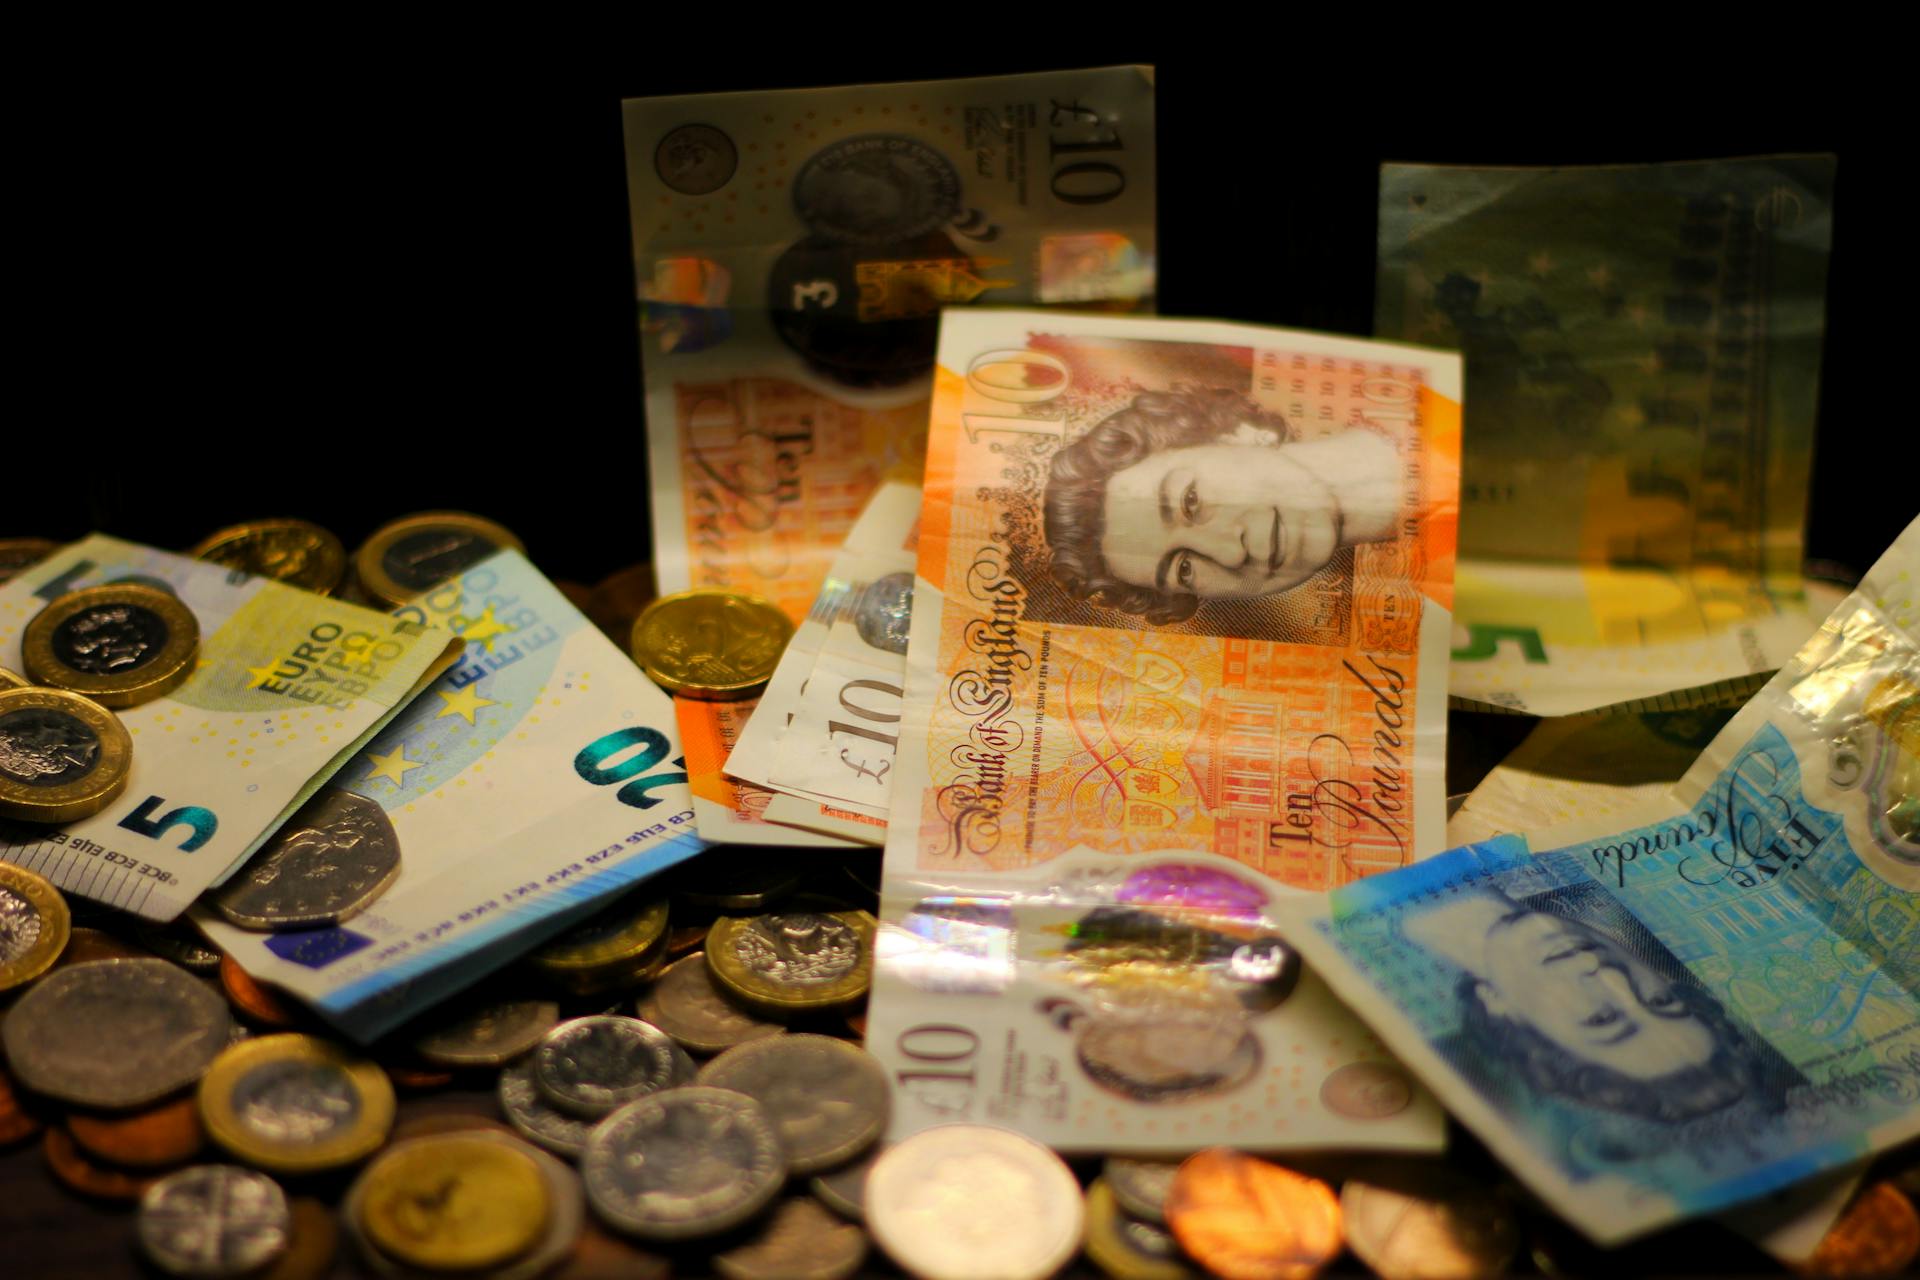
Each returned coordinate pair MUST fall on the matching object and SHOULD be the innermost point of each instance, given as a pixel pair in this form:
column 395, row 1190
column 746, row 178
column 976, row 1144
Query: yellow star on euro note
column 261, row 674
column 393, row 766
column 464, row 703
column 484, row 628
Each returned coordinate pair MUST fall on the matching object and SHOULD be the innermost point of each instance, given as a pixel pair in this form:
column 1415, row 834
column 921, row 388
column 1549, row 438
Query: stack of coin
column 17, row 554
column 622, row 946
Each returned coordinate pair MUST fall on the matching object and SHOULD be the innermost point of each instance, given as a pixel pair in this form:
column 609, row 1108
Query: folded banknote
column 726, row 809
column 1717, row 999
column 289, row 685
column 539, row 775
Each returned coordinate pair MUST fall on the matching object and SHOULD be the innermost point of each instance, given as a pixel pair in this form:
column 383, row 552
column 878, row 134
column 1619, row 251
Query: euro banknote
column 1643, row 353
column 288, row 686
column 539, row 775
column 1182, row 592
column 1718, row 999
column 793, row 250
column 728, row 810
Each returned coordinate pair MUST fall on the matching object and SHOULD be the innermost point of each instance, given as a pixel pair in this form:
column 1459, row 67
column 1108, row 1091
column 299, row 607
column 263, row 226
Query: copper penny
column 417, row 1078
column 164, row 1135
column 1246, row 1219
column 15, row 1124
column 857, row 1023
column 252, row 999
column 1878, row 1235
column 600, row 1255
column 435, row 1123
column 311, row 1244
column 72, row 1167
column 84, row 946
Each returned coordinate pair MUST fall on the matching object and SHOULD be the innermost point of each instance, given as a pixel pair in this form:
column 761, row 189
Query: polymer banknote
column 1642, row 346
column 728, row 810
column 1182, row 594
column 539, row 775
column 1717, row 1000
column 288, row 686
column 793, row 250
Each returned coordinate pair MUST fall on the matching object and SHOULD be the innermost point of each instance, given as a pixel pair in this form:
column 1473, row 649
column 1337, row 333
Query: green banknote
column 1642, row 346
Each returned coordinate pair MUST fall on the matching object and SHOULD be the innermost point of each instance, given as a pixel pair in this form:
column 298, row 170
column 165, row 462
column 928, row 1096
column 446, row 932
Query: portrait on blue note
column 1562, row 994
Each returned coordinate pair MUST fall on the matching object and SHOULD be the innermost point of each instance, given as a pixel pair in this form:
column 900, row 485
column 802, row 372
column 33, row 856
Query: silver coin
column 686, row 1005
column 488, row 1036
column 844, row 1190
column 566, row 1216
column 334, row 856
column 828, row 1099
column 180, row 943
column 799, row 948
column 1140, row 1186
column 592, row 1066
column 20, row 926
column 164, row 1025
column 964, row 1200
column 799, row 1240
column 214, row 1220
column 287, row 1102
column 684, row 1163
column 529, row 1112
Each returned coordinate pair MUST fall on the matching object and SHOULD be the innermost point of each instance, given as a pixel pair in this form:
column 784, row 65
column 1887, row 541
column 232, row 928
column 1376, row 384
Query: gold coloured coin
column 295, row 1104
column 63, row 757
column 34, row 925
column 454, row 1203
column 1126, row 1248
column 121, row 645
column 296, row 552
column 417, row 553
column 710, row 644
column 791, row 963
column 617, row 946
column 17, row 554
column 8, row 680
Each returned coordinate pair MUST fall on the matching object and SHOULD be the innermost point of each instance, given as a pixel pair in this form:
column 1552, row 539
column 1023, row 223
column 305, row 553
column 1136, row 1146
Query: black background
column 354, row 283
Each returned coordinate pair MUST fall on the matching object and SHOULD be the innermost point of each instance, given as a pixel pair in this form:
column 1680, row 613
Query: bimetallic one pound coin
column 1140, row 1186
column 454, row 1203
column 17, row 554
column 1125, row 1247
column 34, row 926
column 296, row 552
column 162, row 1025
column 799, row 1240
column 121, row 645
column 708, row 643
column 685, row 1003
column 293, row 1104
column 8, row 680
column 1425, row 1222
column 966, row 1200
column 414, row 554
column 63, row 757
column 214, row 1220
column 591, row 1066
column 684, row 1163
column 787, row 964
column 329, row 862
column 1244, row 1218
column 827, row 1099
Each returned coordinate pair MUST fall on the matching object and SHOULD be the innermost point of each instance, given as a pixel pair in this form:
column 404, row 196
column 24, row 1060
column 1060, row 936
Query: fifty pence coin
column 417, row 553
column 295, row 1104
column 296, row 552
column 963, row 1200
column 683, row 1163
column 164, row 1025
column 34, row 926
column 708, row 643
column 214, row 1220
column 1425, row 1222
column 799, row 1240
column 591, row 1066
column 827, row 1099
column 121, row 645
column 527, row 1110
column 791, row 963
column 685, row 1003
column 489, row 1036
column 63, row 757
column 334, row 857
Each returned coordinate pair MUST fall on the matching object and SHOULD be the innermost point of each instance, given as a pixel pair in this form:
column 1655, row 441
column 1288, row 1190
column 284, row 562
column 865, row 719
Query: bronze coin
column 1878, row 1235
column 165, row 1135
column 1247, row 1219
column 71, row 1166
column 311, row 1243
column 1423, row 1221
column 85, row 946
column 417, row 1078
column 16, row 1124
column 435, row 1124
column 252, row 999
column 600, row 1255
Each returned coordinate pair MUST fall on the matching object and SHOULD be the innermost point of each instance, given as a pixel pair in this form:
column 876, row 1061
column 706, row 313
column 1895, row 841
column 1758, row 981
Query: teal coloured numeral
column 1484, row 640
column 593, row 767
column 201, row 821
